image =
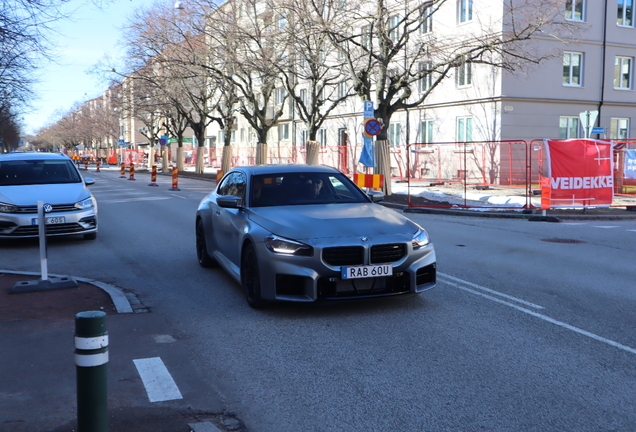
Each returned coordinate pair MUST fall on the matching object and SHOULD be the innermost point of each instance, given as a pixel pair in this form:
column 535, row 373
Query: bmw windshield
column 303, row 189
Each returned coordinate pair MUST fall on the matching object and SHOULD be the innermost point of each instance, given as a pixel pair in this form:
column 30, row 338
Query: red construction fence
column 516, row 165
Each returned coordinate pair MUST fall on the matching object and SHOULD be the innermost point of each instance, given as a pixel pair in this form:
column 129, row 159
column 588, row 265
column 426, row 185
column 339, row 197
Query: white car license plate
column 50, row 220
column 368, row 271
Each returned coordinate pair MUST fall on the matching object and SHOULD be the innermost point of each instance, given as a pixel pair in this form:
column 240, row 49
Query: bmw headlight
column 85, row 204
column 285, row 246
column 420, row 239
column 8, row 208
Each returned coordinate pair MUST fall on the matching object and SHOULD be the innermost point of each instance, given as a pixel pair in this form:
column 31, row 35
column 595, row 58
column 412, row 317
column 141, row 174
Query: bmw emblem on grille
column 364, row 239
column 48, row 208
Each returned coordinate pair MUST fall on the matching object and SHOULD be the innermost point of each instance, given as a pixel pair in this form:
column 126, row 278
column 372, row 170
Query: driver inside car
column 314, row 188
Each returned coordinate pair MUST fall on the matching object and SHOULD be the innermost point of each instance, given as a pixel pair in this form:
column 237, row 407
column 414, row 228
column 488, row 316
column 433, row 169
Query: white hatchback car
column 26, row 178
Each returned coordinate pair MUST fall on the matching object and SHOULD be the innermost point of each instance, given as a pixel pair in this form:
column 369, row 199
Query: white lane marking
column 203, row 427
column 552, row 321
column 488, row 290
column 573, row 223
column 158, row 382
column 632, row 230
column 102, row 201
column 603, row 226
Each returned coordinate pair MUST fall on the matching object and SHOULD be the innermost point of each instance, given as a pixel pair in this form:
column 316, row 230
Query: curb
column 520, row 215
column 122, row 305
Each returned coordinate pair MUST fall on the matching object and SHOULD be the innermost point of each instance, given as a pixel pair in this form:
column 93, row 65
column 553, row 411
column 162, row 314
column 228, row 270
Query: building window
column 623, row 73
column 464, row 129
column 283, row 131
column 322, row 137
column 366, row 37
column 568, row 127
column 464, row 11
column 280, row 95
column 394, row 28
column 575, row 10
column 572, row 69
column 282, row 21
column 395, row 130
column 304, row 137
column 464, row 74
column 342, row 91
column 625, row 13
column 425, row 80
column 426, row 19
column 303, row 97
column 619, row 128
column 426, row 131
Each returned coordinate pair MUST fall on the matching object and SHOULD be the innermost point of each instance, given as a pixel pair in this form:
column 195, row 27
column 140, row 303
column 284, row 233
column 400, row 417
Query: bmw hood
column 28, row 195
column 332, row 220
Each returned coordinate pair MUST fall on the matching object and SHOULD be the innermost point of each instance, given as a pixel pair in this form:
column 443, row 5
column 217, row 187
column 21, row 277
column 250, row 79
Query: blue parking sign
column 630, row 164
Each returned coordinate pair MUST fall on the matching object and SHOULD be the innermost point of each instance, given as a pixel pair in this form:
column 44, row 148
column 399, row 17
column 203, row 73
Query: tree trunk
column 180, row 158
column 261, row 154
column 383, row 163
column 151, row 156
column 313, row 153
column 200, row 168
column 226, row 161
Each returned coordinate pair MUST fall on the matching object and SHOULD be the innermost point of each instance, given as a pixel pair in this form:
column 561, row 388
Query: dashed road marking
column 157, row 380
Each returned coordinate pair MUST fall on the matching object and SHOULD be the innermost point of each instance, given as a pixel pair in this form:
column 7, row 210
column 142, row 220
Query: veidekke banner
column 581, row 172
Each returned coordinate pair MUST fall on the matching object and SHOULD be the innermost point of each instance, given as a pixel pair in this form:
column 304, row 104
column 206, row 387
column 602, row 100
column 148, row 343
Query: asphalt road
column 520, row 333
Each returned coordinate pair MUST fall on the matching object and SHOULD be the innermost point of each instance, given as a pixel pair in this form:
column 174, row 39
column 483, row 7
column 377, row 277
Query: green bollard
column 91, row 360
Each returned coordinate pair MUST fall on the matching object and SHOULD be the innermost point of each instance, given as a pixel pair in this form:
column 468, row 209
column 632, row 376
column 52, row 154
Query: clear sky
column 82, row 42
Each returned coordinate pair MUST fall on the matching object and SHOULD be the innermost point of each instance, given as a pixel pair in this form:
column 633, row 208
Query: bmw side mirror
column 229, row 201
column 89, row 181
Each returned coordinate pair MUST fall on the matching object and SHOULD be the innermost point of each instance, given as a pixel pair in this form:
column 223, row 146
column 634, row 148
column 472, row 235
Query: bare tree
column 388, row 52
column 249, row 55
column 314, row 75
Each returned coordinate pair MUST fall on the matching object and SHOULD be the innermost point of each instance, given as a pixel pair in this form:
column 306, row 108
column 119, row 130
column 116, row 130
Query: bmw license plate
column 50, row 220
column 368, row 271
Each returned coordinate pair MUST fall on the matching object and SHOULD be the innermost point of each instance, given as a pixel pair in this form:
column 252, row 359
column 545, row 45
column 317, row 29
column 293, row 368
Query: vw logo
column 364, row 239
column 48, row 208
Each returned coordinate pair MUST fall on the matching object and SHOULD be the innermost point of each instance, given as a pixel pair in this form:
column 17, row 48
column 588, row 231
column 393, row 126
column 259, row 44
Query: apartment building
column 479, row 102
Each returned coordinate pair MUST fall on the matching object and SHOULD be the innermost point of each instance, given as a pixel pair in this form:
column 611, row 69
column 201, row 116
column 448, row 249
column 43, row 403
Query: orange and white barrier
column 175, row 179
column 132, row 172
column 153, row 176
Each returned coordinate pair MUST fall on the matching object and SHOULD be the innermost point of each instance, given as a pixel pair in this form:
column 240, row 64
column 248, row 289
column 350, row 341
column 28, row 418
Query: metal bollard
column 91, row 360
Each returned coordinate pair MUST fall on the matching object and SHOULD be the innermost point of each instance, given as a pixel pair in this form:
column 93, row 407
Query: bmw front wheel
column 250, row 278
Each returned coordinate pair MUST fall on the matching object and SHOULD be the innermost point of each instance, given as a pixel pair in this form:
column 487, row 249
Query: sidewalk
column 38, row 386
